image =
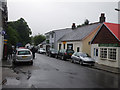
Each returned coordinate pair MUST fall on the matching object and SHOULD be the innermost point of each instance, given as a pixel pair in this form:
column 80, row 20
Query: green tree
column 86, row 22
column 38, row 39
column 22, row 29
column 13, row 36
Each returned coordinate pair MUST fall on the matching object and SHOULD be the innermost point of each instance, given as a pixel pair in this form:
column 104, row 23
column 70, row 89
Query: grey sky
column 43, row 16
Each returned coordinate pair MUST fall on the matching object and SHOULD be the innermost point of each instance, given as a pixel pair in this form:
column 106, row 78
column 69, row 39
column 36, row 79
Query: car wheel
column 91, row 64
column 81, row 62
column 71, row 60
column 62, row 57
column 49, row 55
column 74, row 61
column 31, row 63
column 56, row 56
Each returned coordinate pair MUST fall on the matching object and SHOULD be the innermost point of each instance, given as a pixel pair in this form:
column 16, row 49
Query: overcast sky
column 46, row 15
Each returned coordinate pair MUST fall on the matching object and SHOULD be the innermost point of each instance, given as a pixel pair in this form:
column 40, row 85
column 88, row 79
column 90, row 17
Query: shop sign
column 109, row 45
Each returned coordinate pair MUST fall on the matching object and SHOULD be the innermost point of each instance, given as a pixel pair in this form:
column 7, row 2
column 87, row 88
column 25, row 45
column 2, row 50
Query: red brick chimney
column 102, row 18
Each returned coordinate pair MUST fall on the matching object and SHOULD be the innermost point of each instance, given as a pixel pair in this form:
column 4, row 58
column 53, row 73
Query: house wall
column 86, row 42
column 75, row 45
column 95, row 46
column 104, row 36
column 119, row 57
column 1, row 37
column 107, row 62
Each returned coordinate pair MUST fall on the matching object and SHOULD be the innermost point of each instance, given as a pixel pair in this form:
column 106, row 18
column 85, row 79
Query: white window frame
column 112, row 52
column 107, row 58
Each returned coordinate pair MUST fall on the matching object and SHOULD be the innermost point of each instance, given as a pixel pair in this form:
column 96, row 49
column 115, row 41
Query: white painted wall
column 75, row 45
column 106, row 62
column 1, row 47
column 1, row 37
column 97, row 58
column 119, row 57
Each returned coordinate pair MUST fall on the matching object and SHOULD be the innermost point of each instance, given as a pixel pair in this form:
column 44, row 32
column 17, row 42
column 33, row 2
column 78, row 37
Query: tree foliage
column 18, row 31
column 38, row 39
column 86, row 22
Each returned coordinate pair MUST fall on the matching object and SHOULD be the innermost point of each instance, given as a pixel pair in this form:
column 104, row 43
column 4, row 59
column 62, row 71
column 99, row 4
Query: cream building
column 79, row 39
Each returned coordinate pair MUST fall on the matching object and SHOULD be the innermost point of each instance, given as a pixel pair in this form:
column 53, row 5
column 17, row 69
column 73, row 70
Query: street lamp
column 117, row 9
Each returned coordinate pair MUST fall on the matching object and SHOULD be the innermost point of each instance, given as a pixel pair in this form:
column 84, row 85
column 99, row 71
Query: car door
column 77, row 57
column 59, row 54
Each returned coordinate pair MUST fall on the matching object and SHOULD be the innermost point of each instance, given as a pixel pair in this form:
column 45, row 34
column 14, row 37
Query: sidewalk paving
column 106, row 68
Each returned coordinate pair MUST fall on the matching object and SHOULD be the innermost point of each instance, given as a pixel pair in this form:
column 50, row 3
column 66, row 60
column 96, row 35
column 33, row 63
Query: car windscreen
column 83, row 55
column 24, row 53
column 53, row 50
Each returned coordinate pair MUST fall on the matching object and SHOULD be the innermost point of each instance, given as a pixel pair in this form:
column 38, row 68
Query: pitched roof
column 114, row 28
column 79, row 33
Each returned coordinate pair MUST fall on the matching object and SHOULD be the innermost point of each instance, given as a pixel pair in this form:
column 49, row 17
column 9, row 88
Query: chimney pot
column 102, row 18
column 73, row 26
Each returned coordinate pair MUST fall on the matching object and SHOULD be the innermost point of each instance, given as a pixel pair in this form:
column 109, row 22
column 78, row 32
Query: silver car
column 41, row 51
column 23, row 55
column 82, row 58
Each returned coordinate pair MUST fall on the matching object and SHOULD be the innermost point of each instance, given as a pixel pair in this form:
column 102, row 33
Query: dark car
column 52, row 52
column 82, row 58
column 65, row 54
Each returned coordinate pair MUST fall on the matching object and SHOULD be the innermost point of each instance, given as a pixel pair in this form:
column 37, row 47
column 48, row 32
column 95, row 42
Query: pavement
column 107, row 68
column 5, row 65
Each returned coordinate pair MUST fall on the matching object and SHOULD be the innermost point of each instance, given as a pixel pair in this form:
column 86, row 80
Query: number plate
column 24, row 56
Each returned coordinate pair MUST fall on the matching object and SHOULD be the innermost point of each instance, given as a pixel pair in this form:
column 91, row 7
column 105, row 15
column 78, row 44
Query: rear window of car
column 70, row 51
column 24, row 53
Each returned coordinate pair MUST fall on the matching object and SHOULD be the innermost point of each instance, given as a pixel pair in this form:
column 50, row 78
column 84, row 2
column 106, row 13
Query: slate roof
column 79, row 33
column 60, row 33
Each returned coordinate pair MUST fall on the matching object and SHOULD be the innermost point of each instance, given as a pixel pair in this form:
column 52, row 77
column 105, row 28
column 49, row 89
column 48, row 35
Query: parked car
column 23, row 55
column 82, row 58
column 52, row 52
column 65, row 54
column 41, row 51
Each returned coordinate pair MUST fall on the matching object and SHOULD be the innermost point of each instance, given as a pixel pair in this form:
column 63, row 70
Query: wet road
column 48, row 72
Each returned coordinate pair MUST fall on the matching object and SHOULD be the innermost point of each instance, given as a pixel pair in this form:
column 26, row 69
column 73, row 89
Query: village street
column 48, row 72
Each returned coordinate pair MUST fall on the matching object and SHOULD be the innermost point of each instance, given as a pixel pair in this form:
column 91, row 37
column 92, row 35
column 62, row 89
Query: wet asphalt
column 48, row 72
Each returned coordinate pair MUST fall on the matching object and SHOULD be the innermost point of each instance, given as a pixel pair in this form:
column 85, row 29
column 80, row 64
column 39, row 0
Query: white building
column 1, row 37
column 106, row 45
column 3, row 19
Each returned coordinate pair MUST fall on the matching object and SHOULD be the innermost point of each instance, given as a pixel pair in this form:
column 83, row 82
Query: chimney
column 73, row 26
column 102, row 18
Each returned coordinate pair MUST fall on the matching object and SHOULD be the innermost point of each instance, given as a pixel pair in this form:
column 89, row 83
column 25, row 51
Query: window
column 95, row 52
column 78, row 49
column 52, row 45
column 52, row 35
column 112, row 53
column 108, row 53
column 24, row 52
column 103, row 53
column 59, row 46
column 70, row 46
